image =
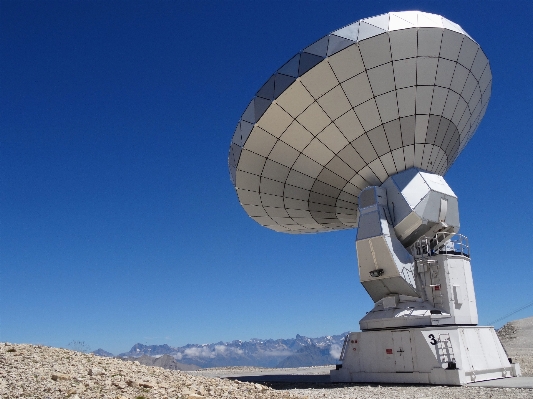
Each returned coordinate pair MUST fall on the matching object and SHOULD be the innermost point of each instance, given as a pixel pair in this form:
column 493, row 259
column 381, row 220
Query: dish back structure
column 369, row 100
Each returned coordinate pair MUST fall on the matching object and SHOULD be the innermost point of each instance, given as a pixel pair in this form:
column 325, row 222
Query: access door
column 403, row 354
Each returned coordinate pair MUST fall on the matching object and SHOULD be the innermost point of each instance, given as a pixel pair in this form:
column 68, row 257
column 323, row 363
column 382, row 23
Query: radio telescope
column 358, row 130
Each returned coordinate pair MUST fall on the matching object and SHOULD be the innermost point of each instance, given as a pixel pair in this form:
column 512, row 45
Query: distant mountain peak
column 255, row 352
column 102, row 352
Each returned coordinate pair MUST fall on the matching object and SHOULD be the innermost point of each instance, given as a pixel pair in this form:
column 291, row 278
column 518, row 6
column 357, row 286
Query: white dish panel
column 372, row 99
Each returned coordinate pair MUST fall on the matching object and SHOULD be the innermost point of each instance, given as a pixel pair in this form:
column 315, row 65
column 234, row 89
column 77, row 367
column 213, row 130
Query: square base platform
column 451, row 355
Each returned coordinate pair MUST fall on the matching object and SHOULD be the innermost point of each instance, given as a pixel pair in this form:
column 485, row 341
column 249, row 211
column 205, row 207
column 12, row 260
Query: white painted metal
column 453, row 355
column 358, row 129
column 443, row 295
column 380, row 94
column 423, row 327
column 409, row 205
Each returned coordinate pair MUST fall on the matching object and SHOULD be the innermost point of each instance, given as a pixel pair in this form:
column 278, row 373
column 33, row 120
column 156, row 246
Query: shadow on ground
column 287, row 384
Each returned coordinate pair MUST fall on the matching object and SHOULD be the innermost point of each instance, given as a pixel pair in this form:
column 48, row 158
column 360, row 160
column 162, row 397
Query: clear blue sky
column 118, row 220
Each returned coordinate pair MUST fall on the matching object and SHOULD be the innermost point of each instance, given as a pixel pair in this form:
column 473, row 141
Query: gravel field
column 517, row 339
column 356, row 391
column 353, row 391
column 34, row 371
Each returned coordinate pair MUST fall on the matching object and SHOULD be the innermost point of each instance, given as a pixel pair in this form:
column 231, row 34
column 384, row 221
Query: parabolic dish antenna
column 372, row 99
column 358, row 129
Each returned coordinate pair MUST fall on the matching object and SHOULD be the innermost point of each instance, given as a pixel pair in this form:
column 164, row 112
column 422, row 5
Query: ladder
column 428, row 270
column 445, row 350
column 344, row 346
column 436, row 287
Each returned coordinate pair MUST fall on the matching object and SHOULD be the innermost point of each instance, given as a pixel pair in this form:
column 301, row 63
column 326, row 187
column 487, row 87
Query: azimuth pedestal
column 444, row 355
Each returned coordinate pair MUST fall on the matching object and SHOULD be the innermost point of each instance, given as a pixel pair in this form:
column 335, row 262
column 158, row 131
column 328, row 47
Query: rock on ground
column 517, row 339
column 34, row 371
column 375, row 391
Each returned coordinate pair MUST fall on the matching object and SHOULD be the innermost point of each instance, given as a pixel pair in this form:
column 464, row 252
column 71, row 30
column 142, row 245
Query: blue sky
column 118, row 221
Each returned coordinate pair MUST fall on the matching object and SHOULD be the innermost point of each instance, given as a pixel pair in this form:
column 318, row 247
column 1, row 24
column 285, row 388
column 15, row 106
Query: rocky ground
column 33, row 371
column 355, row 391
column 517, row 339
column 165, row 361
column 319, row 390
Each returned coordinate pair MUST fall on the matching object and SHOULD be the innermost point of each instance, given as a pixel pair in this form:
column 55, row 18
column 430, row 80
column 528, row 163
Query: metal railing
column 441, row 243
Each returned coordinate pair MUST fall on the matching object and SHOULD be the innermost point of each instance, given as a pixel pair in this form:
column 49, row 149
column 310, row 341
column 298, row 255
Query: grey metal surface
column 418, row 201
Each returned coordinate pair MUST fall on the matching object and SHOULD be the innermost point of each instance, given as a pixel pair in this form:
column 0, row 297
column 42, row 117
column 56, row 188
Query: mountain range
column 293, row 352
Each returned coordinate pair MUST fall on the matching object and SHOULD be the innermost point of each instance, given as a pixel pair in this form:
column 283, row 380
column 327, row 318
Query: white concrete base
column 452, row 355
